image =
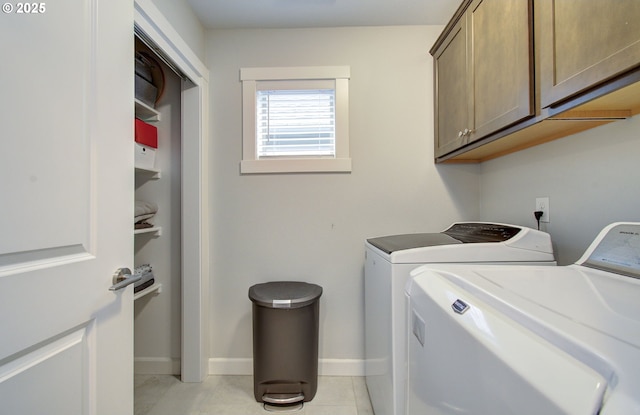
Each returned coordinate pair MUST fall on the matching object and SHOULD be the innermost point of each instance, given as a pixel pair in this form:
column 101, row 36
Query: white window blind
column 295, row 119
column 296, row 123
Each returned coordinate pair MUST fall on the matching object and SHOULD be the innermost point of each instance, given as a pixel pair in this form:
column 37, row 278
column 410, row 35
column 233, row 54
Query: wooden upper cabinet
column 583, row 43
column 483, row 72
column 451, row 91
column 501, row 64
column 495, row 94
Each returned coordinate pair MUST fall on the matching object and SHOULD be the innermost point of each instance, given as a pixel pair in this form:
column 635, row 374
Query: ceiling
column 232, row 14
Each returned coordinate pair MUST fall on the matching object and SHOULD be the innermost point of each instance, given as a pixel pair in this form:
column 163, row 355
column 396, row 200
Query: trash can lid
column 284, row 294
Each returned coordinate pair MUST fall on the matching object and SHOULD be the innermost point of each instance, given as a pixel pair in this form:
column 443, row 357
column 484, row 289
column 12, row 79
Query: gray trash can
column 285, row 341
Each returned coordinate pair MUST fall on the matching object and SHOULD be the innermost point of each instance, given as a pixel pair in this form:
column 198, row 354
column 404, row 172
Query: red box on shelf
column 146, row 134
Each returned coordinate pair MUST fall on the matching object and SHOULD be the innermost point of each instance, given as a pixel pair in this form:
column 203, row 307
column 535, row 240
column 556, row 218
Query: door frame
column 195, row 201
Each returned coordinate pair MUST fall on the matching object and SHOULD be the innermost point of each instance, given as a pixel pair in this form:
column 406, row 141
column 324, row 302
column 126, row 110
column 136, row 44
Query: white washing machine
column 390, row 259
column 528, row 339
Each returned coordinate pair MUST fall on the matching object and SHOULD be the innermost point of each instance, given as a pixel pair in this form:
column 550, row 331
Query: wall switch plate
column 542, row 204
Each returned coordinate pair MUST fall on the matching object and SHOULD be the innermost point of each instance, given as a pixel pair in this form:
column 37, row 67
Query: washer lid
column 284, row 294
column 393, row 243
column 458, row 233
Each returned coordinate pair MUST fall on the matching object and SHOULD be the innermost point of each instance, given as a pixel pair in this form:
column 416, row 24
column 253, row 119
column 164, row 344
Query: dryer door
column 466, row 357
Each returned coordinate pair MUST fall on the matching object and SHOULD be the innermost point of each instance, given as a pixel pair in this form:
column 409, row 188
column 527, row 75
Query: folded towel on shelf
column 142, row 225
column 143, row 212
column 145, row 208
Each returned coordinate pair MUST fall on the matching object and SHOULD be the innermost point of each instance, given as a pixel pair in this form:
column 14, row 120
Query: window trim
column 250, row 78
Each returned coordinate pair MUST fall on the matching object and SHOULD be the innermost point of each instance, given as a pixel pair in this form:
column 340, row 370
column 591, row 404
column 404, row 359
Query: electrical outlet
column 542, row 203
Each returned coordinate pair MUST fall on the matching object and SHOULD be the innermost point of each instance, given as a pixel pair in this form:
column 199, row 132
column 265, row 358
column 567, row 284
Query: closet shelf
column 151, row 173
column 157, row 230
column 155, row 288
column 145, row 112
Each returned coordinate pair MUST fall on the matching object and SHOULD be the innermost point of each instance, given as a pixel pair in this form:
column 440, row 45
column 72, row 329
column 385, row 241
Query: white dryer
column 528, row 339
column 390, row 259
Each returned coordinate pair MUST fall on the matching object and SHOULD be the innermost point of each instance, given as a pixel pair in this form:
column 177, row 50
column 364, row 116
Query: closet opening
column 171, row 324
column 158, row 215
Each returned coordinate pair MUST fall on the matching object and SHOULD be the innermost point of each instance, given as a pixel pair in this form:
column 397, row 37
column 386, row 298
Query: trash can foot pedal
column 283, row 408
column 283, row 402
column 282, row 398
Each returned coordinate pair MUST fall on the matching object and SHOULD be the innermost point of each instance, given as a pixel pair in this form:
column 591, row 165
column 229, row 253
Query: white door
column 66, row 207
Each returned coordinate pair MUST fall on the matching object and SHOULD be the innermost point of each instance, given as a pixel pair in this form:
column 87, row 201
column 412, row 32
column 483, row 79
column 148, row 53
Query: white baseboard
column 341, row 367
column 156, row 366
column 223, row 366
column 326, row 367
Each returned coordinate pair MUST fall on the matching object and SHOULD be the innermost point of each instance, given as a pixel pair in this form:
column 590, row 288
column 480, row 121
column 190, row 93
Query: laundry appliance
column 529, row 339
column 390, row 259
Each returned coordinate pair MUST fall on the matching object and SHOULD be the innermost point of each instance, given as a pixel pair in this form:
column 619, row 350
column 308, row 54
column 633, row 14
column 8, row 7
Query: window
column 295, row 120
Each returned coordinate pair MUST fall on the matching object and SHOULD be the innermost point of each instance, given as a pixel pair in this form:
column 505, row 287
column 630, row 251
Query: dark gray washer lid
column 393, row 243
column 284, row 294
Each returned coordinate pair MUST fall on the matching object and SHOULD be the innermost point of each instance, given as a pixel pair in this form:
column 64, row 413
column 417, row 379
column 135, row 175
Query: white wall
column 185, row 22
column 312, row 227
column 592, row 179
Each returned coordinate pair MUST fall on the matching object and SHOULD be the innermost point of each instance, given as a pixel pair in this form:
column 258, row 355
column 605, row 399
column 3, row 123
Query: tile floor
column 231, row 395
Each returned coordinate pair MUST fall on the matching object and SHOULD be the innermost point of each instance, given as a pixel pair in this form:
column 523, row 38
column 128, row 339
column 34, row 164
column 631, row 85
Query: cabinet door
column 451, row 91
column 582, row 43
column 500, row 34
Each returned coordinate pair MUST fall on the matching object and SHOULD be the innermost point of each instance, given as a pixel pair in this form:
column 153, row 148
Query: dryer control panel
column 616, row 249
